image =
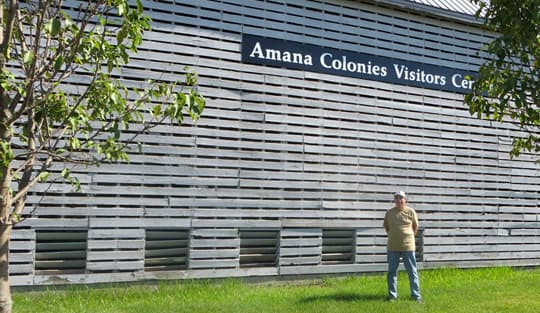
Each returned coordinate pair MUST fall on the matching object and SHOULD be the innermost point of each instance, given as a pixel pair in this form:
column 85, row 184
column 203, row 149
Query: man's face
column 400, row 202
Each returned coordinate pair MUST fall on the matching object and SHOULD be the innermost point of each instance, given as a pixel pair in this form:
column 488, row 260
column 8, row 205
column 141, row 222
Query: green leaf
column 43, row 176
column 156, row 111
column 15, row 217
column 28, row 57
column 56, row 27
column 77, row 183
column 74, row 143
column 58, row 62
column 122, row 8
column 140, row 7
column 121, row 35
column 53, row 27
column 115, row 98
column 66, row 173
column 6, row 154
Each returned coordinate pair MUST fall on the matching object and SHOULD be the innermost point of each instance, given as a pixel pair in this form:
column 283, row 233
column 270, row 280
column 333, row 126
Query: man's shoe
column 419, row 300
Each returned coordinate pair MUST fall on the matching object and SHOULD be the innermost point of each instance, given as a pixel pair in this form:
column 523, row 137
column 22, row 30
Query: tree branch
column 8, row 33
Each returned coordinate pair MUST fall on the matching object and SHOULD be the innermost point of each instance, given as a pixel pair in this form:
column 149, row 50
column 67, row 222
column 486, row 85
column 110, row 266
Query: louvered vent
column 258, row 248
column 60, row 252
column 420, row 245
column 166, row 249
column 338, row 246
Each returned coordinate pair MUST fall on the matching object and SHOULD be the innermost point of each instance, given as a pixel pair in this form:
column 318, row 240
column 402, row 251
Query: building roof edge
column 432, row 10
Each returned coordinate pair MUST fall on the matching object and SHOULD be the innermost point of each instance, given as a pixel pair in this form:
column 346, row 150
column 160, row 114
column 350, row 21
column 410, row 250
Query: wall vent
column 258, row 248
column 166, row 249
column 60, row 252
column 419, row 239
column 338, row 246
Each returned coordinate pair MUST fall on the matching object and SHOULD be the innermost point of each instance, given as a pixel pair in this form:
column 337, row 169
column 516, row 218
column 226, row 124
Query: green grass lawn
column 490, row 290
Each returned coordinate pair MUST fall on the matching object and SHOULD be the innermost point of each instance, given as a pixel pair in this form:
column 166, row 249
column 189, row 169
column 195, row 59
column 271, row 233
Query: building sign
column 290, row 54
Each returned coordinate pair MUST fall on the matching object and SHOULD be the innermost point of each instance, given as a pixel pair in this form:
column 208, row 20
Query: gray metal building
column 294, row 162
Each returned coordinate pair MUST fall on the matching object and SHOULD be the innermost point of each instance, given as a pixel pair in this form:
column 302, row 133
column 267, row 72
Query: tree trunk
column 5, row 290
column 5, row 229
column 5, row 234
column 5, row 204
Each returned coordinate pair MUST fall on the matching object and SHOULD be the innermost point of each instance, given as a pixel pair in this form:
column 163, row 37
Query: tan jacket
column 401, row 226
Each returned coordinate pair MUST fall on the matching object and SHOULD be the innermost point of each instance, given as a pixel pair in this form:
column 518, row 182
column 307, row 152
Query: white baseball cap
column 400, row 194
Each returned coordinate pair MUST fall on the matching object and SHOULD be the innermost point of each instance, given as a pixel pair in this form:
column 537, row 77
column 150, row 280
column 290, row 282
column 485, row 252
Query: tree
column 507, row 88
column 61, row 99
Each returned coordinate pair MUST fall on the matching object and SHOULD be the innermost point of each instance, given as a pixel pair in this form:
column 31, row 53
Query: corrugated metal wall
column 290, row 172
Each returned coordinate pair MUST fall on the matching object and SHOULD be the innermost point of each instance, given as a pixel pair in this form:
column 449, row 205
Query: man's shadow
column 344, row 297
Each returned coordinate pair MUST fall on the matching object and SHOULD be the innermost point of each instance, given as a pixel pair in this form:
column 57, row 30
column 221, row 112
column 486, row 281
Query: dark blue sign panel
column 290, row 54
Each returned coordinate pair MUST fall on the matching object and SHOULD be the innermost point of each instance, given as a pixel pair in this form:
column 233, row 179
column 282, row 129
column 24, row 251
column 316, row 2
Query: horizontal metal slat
column 155, row 244
column 58, row 265
column 166, row 252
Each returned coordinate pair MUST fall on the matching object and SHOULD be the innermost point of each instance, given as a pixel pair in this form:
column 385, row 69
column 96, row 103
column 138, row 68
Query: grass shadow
column 344, row 297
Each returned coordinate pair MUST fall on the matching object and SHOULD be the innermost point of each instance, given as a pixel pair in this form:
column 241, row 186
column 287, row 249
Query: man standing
column 401, row 225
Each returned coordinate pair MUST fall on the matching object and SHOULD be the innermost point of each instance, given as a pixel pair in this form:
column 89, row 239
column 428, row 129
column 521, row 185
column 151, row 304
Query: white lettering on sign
column 278, row 52
column 343, row 64
column 280, row 56
column 460, row 82
column 403, row 72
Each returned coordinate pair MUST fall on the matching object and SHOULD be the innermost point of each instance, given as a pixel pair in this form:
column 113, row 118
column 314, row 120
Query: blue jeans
column 409, row 260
